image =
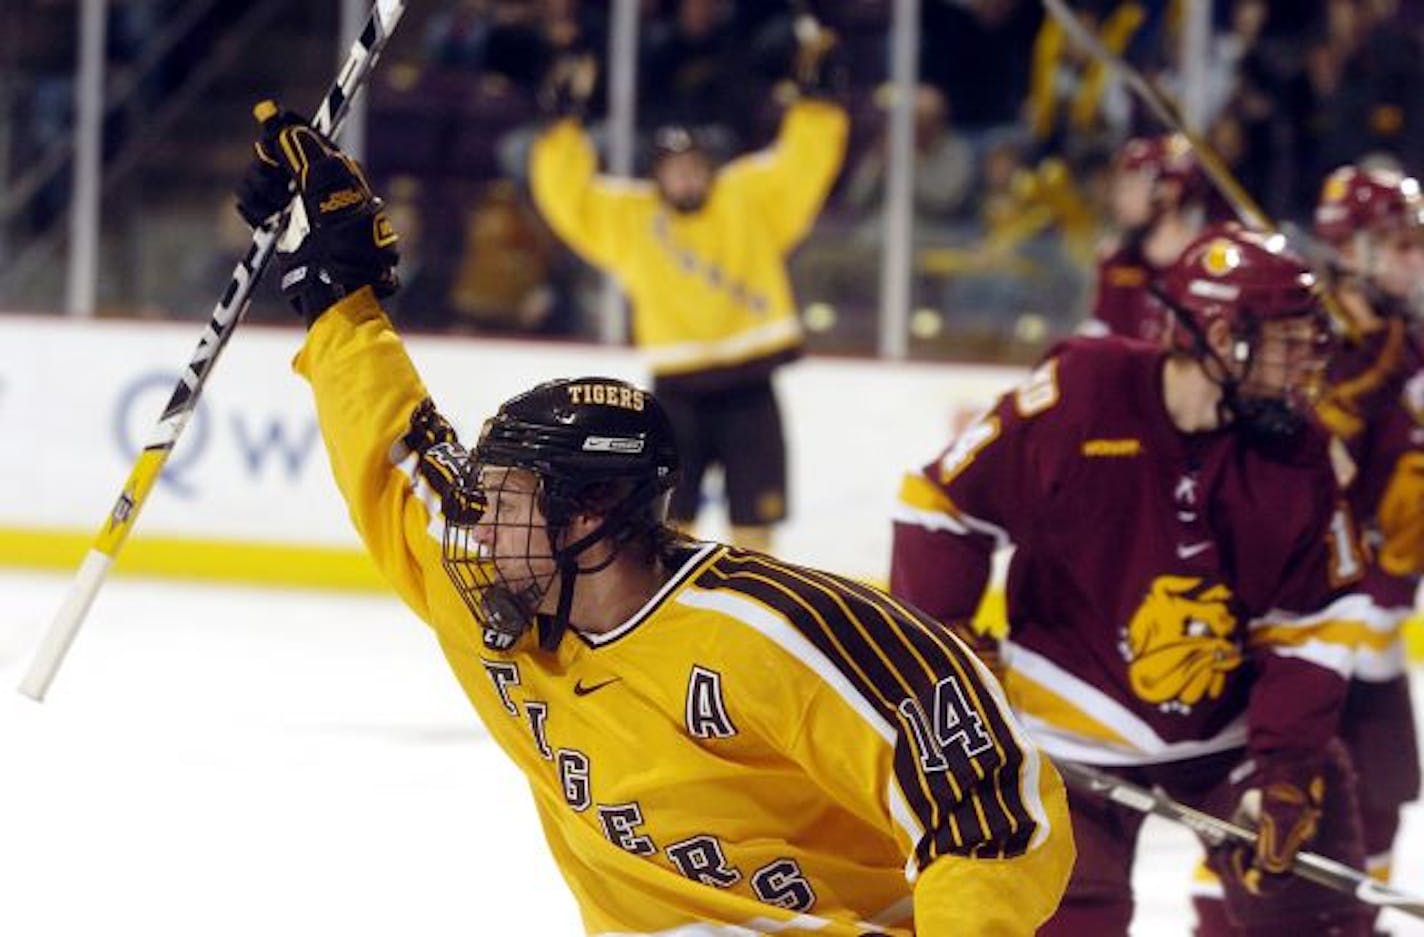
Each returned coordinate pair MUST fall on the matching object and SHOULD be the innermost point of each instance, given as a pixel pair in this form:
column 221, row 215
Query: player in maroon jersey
column 1374, row 222
column 1178, row 601
column 1158, row 202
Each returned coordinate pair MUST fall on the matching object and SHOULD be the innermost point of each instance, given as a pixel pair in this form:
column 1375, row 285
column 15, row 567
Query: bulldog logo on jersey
column 1180, row 644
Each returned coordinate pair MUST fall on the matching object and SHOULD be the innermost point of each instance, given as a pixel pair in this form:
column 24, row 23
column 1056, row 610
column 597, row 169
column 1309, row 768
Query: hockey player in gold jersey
column 702, row 254
column 717, row 742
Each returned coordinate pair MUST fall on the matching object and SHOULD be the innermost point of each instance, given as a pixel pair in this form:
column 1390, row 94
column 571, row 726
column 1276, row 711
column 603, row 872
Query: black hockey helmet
column 579, row 433
column 592, row 445
column 676, row 139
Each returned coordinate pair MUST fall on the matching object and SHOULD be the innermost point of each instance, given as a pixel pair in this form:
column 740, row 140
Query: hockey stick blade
column 55, row 645
column 1215, row 831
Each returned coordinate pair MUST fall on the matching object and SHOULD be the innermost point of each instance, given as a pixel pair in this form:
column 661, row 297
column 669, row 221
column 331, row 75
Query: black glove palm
column 819, row 67
column 568, row 86
column 339, row 238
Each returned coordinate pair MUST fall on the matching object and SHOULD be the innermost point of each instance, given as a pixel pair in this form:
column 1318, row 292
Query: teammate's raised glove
column 1282, row 799
column 568, row 86
column 819, row 68
column 339, row 238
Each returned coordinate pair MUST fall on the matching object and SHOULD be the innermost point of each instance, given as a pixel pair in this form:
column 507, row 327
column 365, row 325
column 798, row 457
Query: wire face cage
column 497, row 551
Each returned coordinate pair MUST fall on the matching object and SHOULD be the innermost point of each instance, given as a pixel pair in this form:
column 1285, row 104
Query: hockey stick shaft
column 54, row 646
column 1166, row 111
column 1215, row 831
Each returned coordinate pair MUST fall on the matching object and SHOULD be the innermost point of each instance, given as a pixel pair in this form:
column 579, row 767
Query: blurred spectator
column 515, row 39
column 1073, row 94
column 504, row 279
column 458, row 37
column 978, row 52
column 1362, row 93
column 423, row 301
column 943, row 169
column 692, row 72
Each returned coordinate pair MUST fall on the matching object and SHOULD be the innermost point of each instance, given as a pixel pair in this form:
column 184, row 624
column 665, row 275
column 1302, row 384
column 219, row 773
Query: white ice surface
column 222, row 761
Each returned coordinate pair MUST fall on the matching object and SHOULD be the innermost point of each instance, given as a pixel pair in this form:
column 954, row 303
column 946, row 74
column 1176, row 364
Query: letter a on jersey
column 706, row 711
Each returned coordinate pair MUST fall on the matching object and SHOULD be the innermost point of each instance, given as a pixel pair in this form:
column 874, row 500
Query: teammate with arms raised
column 1176, row 600
column 1374, row 221
column 1158, row 203
column 717, row 742
column 702, row 254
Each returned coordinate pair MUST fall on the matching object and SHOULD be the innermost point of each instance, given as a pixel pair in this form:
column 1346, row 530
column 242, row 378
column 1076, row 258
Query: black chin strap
column 551, row 630
column 1231, row 407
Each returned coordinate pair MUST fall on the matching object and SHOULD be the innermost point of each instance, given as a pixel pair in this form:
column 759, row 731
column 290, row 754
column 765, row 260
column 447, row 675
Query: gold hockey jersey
column 709, row 289
column 762, row 748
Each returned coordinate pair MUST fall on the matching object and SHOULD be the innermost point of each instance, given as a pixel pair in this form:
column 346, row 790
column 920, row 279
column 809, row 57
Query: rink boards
column 247, row 495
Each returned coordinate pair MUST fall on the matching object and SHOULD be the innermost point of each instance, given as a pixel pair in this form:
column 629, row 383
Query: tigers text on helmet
column 568, row 449
column 1267, row 300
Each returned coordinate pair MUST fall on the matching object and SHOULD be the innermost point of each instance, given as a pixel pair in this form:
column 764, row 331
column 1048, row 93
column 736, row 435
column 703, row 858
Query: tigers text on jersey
column 1375, row 405
column 761, row 749
column 1169, row 594
column 711, row 299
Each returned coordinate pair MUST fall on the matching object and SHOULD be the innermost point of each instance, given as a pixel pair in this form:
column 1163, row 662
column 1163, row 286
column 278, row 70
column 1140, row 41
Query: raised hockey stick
column 228, row 312
column 1217, row 832
column 1167, row 111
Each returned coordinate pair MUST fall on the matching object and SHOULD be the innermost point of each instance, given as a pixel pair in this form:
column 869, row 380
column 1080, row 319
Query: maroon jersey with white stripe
column 1375, row 405
column 1169, row 593
column 1123, row 304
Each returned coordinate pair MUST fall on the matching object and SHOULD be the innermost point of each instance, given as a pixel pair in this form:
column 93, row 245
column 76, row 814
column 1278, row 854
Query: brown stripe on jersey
column 908, row 670
column 1009, row 780
column 894, row 649
column 746, row 575
column 997, row 796
column 1001, row 805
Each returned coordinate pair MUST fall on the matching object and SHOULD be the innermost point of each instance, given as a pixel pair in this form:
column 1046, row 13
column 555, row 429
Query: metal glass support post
column 83, row 270
column 622, row 114
column 898, row 210
column 352, row 137
column 1196, row 34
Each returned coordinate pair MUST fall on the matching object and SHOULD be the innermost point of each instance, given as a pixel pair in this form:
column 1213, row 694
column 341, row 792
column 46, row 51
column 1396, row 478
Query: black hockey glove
column 338, row 239
column 266, row 188
column 819, row 68
column 568, row 86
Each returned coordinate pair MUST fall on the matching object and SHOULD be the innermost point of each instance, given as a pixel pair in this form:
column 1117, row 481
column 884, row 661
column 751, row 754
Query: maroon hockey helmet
column 1167, row 158
column 1239, row 276
column 1355, row 200
column 1248, row 279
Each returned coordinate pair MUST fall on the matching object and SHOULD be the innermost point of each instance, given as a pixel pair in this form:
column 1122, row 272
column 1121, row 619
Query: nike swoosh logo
column 581, row 690
column 1186, row 551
